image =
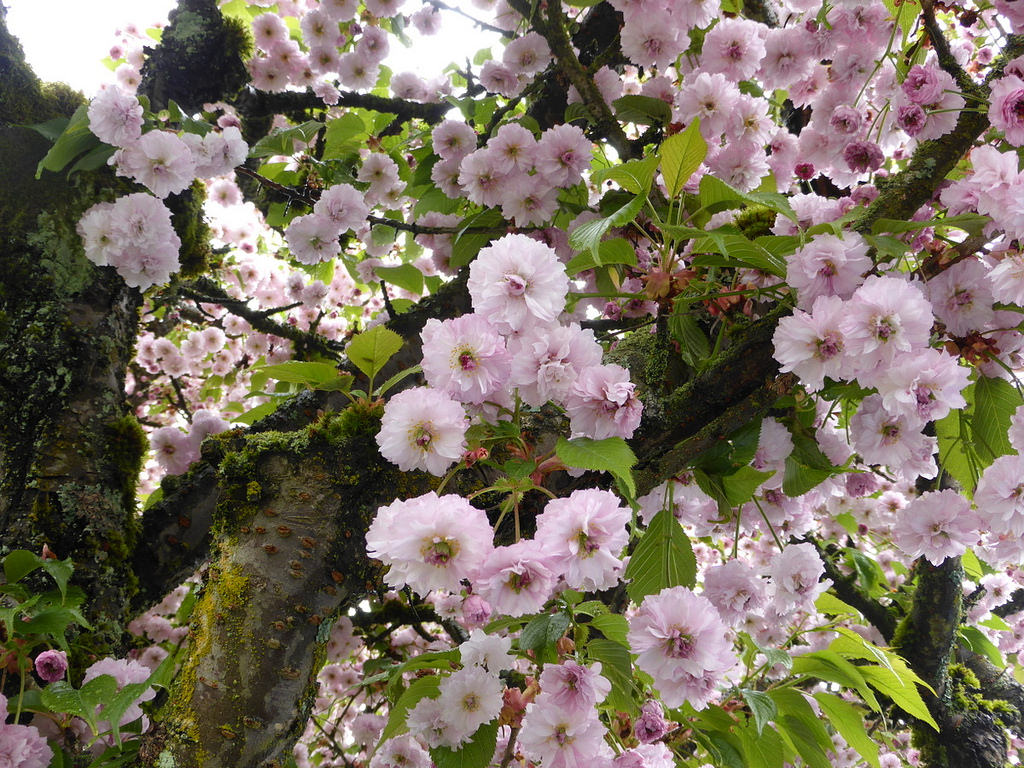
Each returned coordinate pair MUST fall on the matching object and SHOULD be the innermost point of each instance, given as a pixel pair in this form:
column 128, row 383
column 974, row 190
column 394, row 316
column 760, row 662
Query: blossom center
column 680, row 645
column 515, row 284
column 440, row 551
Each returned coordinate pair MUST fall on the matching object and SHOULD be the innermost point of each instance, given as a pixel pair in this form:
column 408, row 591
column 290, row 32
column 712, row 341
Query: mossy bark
column 290, row 555
column 71, row 453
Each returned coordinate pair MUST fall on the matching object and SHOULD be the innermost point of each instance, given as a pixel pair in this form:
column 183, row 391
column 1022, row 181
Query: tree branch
column 253, row 104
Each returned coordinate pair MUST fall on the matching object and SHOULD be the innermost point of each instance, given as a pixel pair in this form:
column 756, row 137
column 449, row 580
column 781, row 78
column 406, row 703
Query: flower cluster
column 512, row 340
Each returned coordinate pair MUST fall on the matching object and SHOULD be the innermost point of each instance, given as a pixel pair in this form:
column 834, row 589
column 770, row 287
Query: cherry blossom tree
column 642, row 391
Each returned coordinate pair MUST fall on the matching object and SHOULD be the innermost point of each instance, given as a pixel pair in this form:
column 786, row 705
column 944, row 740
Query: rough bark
column 71, row 452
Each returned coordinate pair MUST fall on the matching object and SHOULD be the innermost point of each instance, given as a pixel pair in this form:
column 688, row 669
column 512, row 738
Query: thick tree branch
column 254, row 104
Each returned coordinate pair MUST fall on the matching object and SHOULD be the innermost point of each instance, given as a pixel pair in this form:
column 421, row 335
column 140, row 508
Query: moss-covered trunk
column 71, row 452
column 289, row 557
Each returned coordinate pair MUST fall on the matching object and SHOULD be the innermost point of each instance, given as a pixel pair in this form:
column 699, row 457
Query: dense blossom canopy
column 685, row 340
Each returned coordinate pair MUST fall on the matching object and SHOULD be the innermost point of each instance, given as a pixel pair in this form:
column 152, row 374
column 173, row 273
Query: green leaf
column 972, row 223
column 609, row 455
column 310, row 375
column 956, row 448
column 762, row 707
column 614, row 626
column 643, row 110
column 466, row 245
column 830, row 604
column 587, row 236
column 344, row 135
column 995, row 400
column 901, row 690
column 476, row 753
column 51, row 129
column 420, row 688
column 20, row 563
column 404, row 276
column 663, row 558
column 633, row 176
column 618, row 669
column 371, row 350
column 541, row 634
column 977, row 642
column 681, row 155
column 403, row 374
column 830, row 666
column 799, row 478
column 93, row 159
column 693, row 342
column 614, row 251
column 741, row 484
column 282, row 141
column 761, row 749
column 76, row 140
column 798, row 723
column 849, row 722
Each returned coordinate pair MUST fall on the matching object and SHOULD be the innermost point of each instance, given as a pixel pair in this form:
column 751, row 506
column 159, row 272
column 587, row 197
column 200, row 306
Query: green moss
column 755, row 221
column 195, row 255
column 127, row 446
column 200, row 57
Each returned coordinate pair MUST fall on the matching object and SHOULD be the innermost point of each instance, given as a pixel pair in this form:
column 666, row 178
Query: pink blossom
column 51, row 666
column 513, row 147
column 159, row 160
column 487, row 651
column 401, row 752
column 828, row 266
column 709, row 97
column 453, row 140
column 430, row 542
column 423, row 428
column 585, row 533
column 174, row 452
column 881, row 437
column 925, row 384
column 21, row 746
column 217, row 153
column 501, row 79
column 548, row 359
column 735, row 590
column 516, row 579
column 344, row 205
column 681, row 642
column 651, row 725
column 603, row 403
column 1006, row 108
column 313, row 238
column 999, row 496
column 936, row 525
column 787, row 58
column 479, row 176
column 356, row 71
column 922, row 85
column 886, row 316
column 1007, row 278
column 651, row 39
column 465, row 357
column 573, row 687
column 527, row 55
column 115, row 116
column 469, row 698
column 563, row 153
column 733, row 47
column 516, row 282
column 528, row 200
column 795, row 575
column 556, row 738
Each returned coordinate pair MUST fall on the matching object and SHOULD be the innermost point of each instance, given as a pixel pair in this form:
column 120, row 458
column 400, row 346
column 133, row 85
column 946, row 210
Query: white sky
column 67, row 39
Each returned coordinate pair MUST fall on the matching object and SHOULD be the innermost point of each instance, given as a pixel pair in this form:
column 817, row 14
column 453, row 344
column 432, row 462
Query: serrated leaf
column 614, row 626
column 830, row 666
column 587, row 236
column 849, row 722
column 19, row 564
column 476, row 753
column 611, row 454
column 311, row 375
column 798, row 722
column 762, row 707
column 633, row 176
column 829, row 604
column 370, row 351
column 663, row 558
column 643, row 110
column 421, row 687
column 995, row 400
column 617, row 668
column 740, row 485
column 681, row 155
column 344, row 135
column 693, row 342
column 404, row 276
column 902, row 691
column 541, row 634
